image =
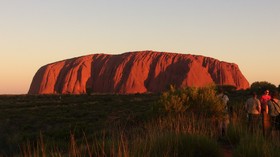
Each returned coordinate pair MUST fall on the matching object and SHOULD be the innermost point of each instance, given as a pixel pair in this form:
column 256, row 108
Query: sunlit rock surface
column 134, row 72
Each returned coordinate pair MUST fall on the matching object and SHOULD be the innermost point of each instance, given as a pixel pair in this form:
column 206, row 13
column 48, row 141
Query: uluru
column 134, row 72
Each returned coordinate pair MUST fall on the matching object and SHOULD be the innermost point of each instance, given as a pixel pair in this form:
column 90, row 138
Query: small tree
column 259, row 87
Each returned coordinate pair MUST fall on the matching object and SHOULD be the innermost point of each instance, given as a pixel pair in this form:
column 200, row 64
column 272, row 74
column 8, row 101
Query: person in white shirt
column 253, row 108
column 223, row 123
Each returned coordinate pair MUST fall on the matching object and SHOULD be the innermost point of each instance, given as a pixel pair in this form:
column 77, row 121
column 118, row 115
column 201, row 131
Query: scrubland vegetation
column 175, row 123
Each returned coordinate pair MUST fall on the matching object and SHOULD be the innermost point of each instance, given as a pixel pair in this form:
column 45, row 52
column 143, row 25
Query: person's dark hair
column 254, row 93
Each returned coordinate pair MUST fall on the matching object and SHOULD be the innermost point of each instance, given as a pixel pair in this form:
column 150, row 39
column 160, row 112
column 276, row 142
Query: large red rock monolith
column 134, row 72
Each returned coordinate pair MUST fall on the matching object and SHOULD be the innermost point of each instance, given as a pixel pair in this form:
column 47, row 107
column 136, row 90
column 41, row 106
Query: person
column 273, row 111
column 253, row 108
column 264, row 99
column 223, row 123
column 264, row 110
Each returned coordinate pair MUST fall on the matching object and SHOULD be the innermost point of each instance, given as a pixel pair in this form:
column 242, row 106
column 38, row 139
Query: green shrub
column 198, row 100
column 175, row 100
column 206, row 102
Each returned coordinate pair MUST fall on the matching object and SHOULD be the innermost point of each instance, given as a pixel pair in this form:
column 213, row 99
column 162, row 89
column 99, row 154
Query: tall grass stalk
column 184, row 123
column 34, row 149
column 256, row 146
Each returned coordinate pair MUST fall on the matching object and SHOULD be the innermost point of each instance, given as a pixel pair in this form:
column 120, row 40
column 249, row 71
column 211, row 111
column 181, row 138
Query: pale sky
column 34, row 33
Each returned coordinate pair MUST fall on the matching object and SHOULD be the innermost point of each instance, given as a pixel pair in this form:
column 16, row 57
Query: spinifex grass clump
column 178, row 135
column 177, row 145
column 188, row 123
column 234, row 134
column 97, row 147
column 257, row 146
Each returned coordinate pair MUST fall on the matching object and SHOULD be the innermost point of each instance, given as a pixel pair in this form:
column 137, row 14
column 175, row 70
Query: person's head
column 274, row 95
column 254, row 94
column 266, row 92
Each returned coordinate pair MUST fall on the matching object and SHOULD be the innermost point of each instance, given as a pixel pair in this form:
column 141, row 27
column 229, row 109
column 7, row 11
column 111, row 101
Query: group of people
column 266, row 109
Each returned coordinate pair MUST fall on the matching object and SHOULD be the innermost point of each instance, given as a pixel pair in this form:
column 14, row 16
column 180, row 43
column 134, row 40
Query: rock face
column 134, row 72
